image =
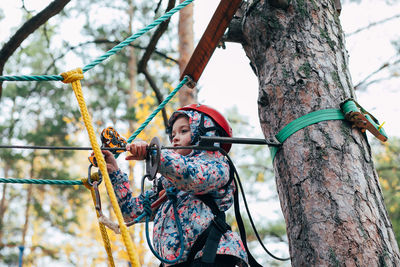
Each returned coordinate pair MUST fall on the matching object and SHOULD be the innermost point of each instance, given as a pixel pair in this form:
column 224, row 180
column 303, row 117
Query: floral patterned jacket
column 200, row 172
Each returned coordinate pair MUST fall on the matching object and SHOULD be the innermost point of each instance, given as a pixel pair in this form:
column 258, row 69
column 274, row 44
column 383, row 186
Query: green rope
column 154, row 113
column 109, row 53
column 40, row 181
column 304, row 121
column 37, row 78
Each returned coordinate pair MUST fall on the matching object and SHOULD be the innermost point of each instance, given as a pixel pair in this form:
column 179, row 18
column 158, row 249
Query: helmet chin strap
column 202, row 130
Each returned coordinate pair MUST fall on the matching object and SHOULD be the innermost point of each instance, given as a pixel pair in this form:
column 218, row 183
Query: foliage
column 388, row 167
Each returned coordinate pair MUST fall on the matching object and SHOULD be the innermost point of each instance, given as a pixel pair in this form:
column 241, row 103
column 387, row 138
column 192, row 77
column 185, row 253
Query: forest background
column 59, row 226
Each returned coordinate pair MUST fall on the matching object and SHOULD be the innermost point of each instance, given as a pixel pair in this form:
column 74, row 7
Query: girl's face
column 181, row 135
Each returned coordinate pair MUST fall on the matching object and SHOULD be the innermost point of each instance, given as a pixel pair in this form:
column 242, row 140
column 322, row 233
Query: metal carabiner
column 89, row 180
column 142, row 184
column 97, row 197
column 153, row 158
column 95, row 185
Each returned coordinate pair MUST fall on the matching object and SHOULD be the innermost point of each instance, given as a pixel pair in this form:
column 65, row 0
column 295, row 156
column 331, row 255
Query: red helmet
column 218, row 118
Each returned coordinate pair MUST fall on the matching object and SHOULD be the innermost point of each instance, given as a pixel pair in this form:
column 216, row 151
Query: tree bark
column 186, row 36
column 327, row 184
column 29, row 27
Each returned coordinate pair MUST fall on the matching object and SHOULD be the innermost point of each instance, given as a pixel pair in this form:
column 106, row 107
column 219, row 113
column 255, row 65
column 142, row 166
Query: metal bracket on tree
column 363, row 119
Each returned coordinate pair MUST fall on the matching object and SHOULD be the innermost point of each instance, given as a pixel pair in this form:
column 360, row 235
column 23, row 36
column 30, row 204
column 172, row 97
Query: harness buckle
column 362, row 119
column 220, row 223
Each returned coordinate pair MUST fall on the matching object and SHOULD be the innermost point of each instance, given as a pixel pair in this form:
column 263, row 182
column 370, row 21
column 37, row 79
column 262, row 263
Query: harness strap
column 209, row 238
column 202, row 130
column 242, row 230
column 198, row 245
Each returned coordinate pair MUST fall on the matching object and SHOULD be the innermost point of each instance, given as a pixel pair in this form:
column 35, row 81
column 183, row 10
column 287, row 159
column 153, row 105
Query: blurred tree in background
column 387, row 159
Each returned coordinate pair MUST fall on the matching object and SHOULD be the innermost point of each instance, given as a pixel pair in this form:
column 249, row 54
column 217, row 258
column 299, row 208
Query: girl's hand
column 138, row 150
column 112, row 165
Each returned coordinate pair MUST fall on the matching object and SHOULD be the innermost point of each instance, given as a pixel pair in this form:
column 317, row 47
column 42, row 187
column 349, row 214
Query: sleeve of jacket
column 131, row 207
column 200, row 174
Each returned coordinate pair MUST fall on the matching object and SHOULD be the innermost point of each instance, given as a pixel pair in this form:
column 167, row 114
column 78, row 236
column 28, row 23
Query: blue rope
column 171, row 194
column 21, row 255
column 109, row 53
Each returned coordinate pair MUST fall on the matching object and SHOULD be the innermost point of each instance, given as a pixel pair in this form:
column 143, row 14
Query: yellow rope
column 74, row 77
column 103, row 231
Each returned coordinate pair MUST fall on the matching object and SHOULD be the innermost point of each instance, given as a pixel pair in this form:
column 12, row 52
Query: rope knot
column 72, row 75
column 147, row 206
column 171, row 194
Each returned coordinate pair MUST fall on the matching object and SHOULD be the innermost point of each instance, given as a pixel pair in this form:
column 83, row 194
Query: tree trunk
column 326, row 180
column 185, row 32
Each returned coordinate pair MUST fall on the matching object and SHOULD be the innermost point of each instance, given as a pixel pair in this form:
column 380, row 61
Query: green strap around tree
column 304, row 121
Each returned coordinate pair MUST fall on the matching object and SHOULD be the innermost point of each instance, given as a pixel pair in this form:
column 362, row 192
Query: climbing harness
column 209, row 239
column 157, row 197
column 171, row 195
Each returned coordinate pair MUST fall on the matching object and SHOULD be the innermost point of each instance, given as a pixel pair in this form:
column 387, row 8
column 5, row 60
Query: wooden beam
column 210, row 39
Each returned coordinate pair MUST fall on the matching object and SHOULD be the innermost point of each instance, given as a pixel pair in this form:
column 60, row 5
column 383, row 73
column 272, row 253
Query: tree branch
column 142, row 65
column 384, row 66
column 159, row 96
column 105, row 41
column 25, row 30
column 373, row 24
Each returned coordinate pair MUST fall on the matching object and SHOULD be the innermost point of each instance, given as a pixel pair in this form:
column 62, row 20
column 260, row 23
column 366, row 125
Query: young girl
column 204, row 191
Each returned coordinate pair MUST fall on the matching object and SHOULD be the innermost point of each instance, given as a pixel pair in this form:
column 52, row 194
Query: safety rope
column 39, row 181
column 160, row 107
column 21, row 255
column 100, row 59
column 103, row 231
column 74, row 77
column 171, row 194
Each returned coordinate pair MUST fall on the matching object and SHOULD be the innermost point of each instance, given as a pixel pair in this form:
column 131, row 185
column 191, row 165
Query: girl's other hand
column 138, row 150
column 112, row 164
